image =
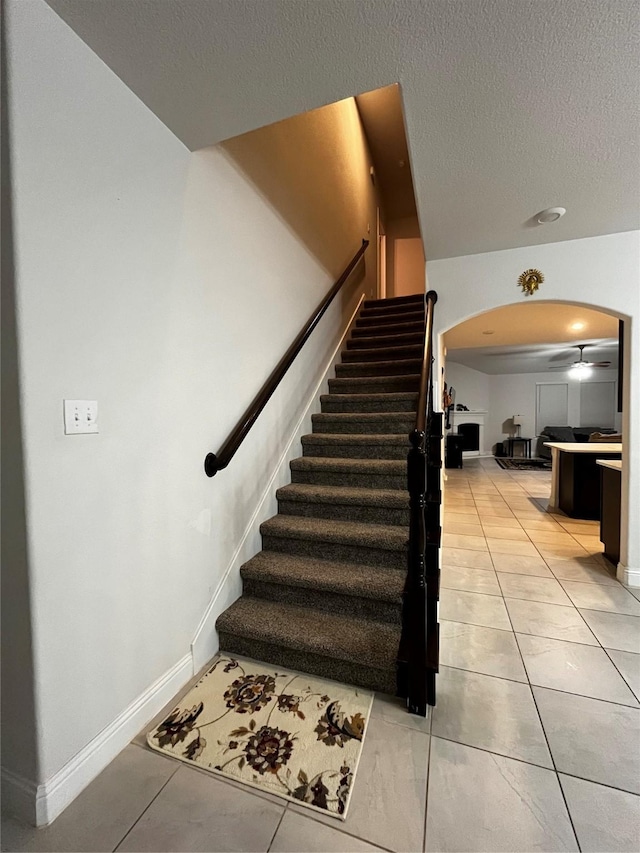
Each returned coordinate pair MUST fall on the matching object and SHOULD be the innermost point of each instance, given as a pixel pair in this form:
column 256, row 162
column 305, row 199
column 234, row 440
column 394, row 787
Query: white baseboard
column 43, row 803
column 627, row 575
column 18, row 796
column 205, row 642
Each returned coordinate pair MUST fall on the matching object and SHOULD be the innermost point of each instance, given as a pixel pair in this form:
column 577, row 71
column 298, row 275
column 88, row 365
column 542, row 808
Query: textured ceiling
column 511, row 106
column 532, row 323
column 536, row 358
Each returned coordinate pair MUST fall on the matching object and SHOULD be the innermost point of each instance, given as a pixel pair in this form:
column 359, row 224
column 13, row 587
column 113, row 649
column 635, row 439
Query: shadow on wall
column 19, row 741
column 313, row 170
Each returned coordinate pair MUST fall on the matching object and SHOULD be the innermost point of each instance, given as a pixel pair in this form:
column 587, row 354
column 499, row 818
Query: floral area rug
column 290, row 734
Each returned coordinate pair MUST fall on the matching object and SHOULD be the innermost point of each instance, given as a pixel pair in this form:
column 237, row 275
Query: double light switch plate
column 80, row 416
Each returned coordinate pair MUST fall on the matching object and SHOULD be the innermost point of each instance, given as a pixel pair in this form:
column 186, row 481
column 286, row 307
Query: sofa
column 567, row 433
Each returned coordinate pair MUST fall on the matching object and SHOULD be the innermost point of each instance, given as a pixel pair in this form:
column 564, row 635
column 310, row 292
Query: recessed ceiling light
column 551, row 214
column 577, row 326
column 489, row 332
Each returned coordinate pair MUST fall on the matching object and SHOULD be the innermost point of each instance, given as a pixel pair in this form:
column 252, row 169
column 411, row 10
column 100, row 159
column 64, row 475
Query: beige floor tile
column 495, row 512
column 592, row 739
column 104, row 812
column 595, row 596
column 502, row 521
column 392, row 709
column 552, row 537
column 474, row 608
column 604, row 818
column 533, row 588
column 589, row 543
column 388, row 801
column 513, row 533
column 614, row 630
column 300, row 834
column 510, row 546
column 459, row 540
column 521, row 565
column 489, row 713
column 581, row 570
column 461, row 517
column 628, row 665
column 508, row 805
column 460, row 509
column 541, row 524
column 465, row 557
column 574, row 668
column 478, row 649
column 181, row 818
column 458, row 527
column 469, row 579
column 549, row 620
column 562, row 552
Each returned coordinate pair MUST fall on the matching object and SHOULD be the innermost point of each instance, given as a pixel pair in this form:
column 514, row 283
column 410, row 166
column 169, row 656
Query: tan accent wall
column 314, row 170
column 405, row 257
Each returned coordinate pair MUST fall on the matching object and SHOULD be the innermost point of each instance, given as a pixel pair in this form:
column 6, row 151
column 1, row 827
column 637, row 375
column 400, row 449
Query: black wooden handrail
column 419, row 641
column 215, row 462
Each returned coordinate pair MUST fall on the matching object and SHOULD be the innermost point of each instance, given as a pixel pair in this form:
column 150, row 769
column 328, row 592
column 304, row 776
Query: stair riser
column 350, row 406
column 331, row 602
column 338, row 478
column 385, row 341
column 361, row 385
column 346, row 512
column 356, row 451
column 336, row 551
column 393, row 301
column 390, row 329
column 382, row 353
column 348, row 673
column 409, row 308
column 389, row 319
column 379, row 368
column 372, row 426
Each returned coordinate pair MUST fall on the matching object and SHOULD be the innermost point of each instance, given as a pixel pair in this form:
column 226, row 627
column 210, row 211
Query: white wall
column 601, row 272
column 471, row 386
column 511, row 394
column 163, row 285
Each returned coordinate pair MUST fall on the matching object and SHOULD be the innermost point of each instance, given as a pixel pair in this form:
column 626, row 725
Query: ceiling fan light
column 580, row 370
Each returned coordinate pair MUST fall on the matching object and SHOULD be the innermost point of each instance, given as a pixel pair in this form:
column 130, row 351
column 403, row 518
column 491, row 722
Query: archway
column 457, row 317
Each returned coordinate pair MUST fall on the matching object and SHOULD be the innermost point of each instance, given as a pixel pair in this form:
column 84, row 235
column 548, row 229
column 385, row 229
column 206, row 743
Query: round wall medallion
column 530, row 280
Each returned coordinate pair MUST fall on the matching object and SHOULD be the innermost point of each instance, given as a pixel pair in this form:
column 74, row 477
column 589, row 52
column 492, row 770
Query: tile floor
column 534, row 743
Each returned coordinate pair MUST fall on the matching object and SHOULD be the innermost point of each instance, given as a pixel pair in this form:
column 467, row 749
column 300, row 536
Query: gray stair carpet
column 324, row 595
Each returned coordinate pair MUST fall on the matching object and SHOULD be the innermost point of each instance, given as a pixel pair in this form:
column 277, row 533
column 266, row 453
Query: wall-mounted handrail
column 215, row 462
column 419, row 644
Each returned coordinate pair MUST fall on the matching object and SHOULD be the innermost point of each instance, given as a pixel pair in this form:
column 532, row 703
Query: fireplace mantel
column 474, row 416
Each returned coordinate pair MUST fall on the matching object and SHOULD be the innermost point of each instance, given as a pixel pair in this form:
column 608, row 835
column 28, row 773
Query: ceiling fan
column 581, row 367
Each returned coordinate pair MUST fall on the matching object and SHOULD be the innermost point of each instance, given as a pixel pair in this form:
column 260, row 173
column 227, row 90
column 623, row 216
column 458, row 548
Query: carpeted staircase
column 324, row 595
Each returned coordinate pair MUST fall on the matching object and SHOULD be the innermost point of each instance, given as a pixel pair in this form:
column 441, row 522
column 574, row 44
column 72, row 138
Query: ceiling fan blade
column 562, row 366
column 600, row 364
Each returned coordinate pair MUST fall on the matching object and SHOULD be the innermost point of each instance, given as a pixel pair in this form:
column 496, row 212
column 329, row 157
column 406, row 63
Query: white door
column 598, row 403
column 552, row 405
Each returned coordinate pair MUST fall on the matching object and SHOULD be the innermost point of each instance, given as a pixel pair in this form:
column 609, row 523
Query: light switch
column 80, row 416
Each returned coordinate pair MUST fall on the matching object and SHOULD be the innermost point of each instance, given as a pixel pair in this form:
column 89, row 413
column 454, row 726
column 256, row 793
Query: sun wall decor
column 530, row 280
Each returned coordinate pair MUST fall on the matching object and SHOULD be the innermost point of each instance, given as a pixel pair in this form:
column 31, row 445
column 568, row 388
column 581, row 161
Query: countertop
column 614, row 464
column 586, row 446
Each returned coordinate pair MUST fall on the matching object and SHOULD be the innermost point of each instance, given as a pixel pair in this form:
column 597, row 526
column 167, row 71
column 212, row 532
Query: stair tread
column 381, row 536
column 358, row 641
column 354, row 579
column 356, row 438
column 400, row 351
column 383, row 341
column 389, row 397
column 364, row 417
column 388, row 328
column 387, row 317
column 383, row 363
column 344, row 495
column 348, row 466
